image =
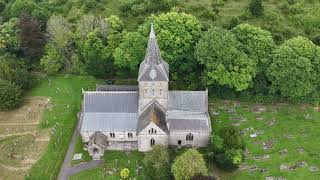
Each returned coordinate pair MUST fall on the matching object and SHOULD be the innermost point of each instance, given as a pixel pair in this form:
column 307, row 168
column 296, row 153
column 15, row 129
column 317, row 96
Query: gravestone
column 314, row 168
column 300, row 150
column 301, row 164
column 283, row 152
column 264, row 170
column 284, row 167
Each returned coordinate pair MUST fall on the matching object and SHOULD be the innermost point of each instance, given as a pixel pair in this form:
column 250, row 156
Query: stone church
column 117, row 117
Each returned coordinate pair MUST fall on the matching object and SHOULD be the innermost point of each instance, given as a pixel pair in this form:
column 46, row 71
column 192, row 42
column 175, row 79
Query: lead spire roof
column 153, row 62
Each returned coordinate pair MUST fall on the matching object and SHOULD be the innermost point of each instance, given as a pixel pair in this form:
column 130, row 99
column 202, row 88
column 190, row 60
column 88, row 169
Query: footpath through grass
column 65, row 94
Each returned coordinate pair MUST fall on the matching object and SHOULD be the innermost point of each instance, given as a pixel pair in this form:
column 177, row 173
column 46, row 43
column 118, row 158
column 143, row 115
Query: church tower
column 153, row 76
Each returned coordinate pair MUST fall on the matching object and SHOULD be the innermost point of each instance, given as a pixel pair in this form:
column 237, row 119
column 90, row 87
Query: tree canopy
column 188, row 165
column 10, row 95
column 294, row 70
column 218, row 50
column 156, row 163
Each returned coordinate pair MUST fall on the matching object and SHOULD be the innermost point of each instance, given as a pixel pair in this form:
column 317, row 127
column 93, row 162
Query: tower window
column 130, row 135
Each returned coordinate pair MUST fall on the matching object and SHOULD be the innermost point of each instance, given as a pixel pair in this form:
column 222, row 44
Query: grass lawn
column 114, row 161
column 294, row 126
column 79, row 149
column 65, row 94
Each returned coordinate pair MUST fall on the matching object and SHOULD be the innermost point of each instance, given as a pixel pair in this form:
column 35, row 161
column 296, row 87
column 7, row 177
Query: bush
column 188, row 165
column 10, row 95
column 52, row 61
column 256, row 8
column 156, row 163
column 124, row 173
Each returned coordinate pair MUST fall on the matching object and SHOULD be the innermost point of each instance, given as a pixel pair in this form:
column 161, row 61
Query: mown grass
column 114, row 161
column 289, row 119
column 65, row 94
column 79, row 148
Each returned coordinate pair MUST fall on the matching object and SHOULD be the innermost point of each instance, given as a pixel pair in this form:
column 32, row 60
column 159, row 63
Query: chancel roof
column 152, row 113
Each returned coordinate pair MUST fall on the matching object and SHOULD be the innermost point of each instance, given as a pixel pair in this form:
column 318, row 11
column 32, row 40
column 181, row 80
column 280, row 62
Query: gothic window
column 189, row 137
column 152, row 131
column 112, row 135
column 130, row 135
column 152, row 142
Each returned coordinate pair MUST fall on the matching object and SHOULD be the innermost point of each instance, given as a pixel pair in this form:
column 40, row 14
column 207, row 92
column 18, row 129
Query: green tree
column 90, row 23
column 10, row 95
column 231, row 137
column 188, row 165
column 156, row 163
column 230, row 159
column 294, row 70
column 131, row 51
column 115, row 28
column 256, row 43
column 94, row 55
column 59, row 31
column 15, row 70
column 52, row 61
column 218, row 50
column 9, row 40
column 256, row 7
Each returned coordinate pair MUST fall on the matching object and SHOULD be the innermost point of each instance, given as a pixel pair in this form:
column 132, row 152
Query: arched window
column 152, row 131
column 112, row 135
column 130, row 135
column 189, row 137
column 152, row 142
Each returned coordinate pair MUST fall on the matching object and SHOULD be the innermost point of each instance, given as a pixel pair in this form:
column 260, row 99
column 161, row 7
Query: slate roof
column 195, row 101
column 99, row 139
column 116, row 88
column 110, row 111
column 153, row 113
column 111, row 101
column 154, row 61
column 110, row 122
column 180, row 121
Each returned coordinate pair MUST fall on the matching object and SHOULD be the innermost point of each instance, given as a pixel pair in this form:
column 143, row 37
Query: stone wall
column 200, row 139
column 148, row 91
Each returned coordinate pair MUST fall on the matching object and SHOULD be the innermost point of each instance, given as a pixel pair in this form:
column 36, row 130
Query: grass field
column 114, row 162
column 292, row 131
column 65, row 94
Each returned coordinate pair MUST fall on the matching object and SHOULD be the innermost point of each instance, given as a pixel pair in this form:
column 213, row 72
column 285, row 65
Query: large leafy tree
column 294, row 70
column 219, row 51
column 94, row 56
column 15, row 70
column 156, row 163
column 52, row 61
column 9, row 40
column 188, row 165
column 90, row 23
column 31, row 37
column 59, row 31
column 130, row 52
column 10, row 95
column 256, row 7
column 115, row 28
column 256, row 43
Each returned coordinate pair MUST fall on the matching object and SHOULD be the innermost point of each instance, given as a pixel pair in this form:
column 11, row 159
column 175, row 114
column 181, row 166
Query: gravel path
column 66, row 169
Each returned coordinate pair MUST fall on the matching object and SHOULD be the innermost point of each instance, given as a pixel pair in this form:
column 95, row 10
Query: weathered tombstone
column 301, row 164
column 283, row 152
column 314, row 168
column 284, row 167
column 300, row 150
column 292, row 168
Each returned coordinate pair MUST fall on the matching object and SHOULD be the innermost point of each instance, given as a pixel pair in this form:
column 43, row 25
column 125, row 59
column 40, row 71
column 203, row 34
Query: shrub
column 124, row 173
column 256, row 8
column 10, row 95
column 156, row 163
column 188, row 165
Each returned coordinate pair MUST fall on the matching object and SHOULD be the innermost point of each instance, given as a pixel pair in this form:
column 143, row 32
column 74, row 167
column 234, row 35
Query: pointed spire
column 153, row 52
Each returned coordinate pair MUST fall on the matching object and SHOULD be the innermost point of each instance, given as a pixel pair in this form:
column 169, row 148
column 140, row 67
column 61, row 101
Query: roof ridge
column 111, row 92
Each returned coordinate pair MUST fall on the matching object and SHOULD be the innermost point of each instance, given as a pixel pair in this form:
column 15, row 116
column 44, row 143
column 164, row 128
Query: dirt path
column 11, row 168
column 18, row 134
column 19, row 124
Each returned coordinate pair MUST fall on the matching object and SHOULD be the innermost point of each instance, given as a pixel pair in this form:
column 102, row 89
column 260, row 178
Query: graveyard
column 281, row 139
column 22, row 142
